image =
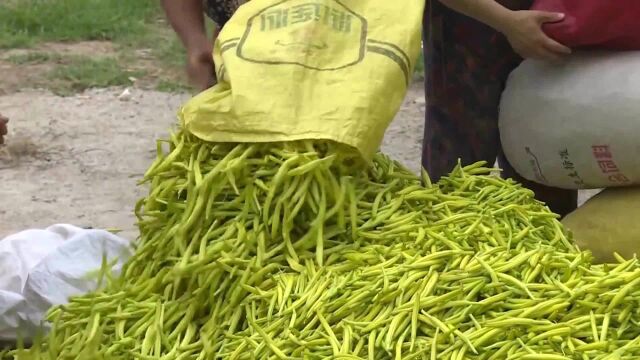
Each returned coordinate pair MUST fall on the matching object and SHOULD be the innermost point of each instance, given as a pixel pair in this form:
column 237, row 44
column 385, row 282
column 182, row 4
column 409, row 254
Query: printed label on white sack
column 603, row 160
column 574, row 125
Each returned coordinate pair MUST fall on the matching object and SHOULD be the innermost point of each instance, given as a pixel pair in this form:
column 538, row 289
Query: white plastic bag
column 43, row 268
column 575, row 125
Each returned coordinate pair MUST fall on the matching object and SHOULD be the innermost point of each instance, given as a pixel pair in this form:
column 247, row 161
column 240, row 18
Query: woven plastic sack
column 607, row 24
column 309, row 69
column 608, row 223
column 574, row 125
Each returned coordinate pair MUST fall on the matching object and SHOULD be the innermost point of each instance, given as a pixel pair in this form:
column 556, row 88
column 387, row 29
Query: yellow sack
column 310, row 69
column 608, row 223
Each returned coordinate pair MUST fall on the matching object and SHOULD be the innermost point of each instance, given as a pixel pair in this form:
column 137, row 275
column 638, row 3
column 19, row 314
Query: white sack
column 43, row 268
column 575, row 124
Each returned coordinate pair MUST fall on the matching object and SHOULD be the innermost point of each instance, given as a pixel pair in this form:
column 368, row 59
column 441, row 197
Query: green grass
column 81, row 73
column 26, row 22
column 165, row 46
column 130, row 24
column 418, row 72
column 33, row 58
column 172, row 86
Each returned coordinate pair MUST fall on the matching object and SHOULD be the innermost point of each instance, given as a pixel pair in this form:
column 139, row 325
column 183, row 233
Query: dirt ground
column 77, row 159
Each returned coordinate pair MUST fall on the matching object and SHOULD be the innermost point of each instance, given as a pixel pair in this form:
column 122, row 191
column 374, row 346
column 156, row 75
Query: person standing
column 470, row 47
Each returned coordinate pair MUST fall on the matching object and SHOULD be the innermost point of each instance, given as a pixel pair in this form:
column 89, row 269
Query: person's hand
column 200, row 67
column 524, row 31
column 3, row 128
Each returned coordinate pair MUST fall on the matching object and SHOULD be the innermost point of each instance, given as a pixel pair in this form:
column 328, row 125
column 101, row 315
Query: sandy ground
column 77, row 159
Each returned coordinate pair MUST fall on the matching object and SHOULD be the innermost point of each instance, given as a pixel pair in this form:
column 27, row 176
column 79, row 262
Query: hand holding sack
column 572, row 124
